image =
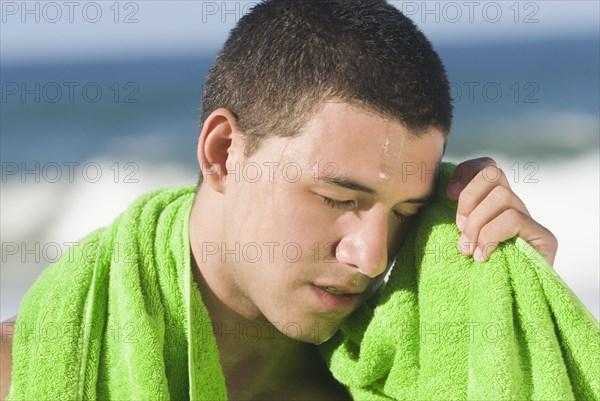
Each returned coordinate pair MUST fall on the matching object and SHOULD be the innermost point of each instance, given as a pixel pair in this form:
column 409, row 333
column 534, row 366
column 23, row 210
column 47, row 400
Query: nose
column 365, row 247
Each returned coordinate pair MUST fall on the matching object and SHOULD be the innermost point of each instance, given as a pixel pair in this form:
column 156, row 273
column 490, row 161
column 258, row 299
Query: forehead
column 352, row 141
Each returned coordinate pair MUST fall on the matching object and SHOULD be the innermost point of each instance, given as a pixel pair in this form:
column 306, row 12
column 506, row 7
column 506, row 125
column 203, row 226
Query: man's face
column 287, row 242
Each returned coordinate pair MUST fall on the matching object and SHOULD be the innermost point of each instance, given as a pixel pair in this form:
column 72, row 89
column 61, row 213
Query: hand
column 489, row 212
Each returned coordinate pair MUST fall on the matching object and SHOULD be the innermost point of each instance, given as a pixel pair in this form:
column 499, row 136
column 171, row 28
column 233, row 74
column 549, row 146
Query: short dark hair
column 285, row 57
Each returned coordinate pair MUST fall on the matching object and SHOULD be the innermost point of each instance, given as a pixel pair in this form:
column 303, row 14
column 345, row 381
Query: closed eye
column 400, row 217
column 342, row 205
column 349, row 205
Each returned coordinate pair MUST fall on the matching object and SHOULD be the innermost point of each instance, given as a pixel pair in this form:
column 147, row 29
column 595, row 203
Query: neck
column 255, row 356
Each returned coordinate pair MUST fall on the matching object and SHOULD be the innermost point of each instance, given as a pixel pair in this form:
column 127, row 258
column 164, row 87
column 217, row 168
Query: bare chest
column 324, row 388
column 311, row 380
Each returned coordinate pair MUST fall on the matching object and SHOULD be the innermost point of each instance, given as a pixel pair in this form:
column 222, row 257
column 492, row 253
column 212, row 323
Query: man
column 330, row 105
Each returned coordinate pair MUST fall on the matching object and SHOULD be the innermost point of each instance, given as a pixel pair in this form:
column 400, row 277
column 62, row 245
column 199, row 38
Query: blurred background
column 100, row 101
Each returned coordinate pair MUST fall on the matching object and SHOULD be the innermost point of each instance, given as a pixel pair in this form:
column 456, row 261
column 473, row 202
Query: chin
column 315, row 339
column 324, row 339
column 313, row 332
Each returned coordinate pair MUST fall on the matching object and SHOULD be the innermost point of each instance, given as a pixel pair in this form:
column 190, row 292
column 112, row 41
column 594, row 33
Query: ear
column 219, row 145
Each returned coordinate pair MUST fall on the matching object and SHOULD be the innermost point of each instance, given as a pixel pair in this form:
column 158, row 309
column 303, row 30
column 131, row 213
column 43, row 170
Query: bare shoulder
column 6, row 356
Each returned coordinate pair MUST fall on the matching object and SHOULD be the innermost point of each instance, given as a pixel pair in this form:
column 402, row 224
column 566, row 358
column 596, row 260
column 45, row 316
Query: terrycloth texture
column 449, row 328
column 118, row 315
column 110, row 319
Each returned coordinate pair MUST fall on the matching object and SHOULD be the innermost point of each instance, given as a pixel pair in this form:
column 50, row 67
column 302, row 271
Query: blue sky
column 35, row 30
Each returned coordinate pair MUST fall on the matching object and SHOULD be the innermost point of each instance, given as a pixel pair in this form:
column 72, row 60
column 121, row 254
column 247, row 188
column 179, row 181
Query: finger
column 464, row 173
column 498, row 201
column 509, row 224
column 541, row 239
column 477, row 190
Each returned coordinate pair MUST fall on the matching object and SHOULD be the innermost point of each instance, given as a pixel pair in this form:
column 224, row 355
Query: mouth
column 335, row 291
column 335, row 300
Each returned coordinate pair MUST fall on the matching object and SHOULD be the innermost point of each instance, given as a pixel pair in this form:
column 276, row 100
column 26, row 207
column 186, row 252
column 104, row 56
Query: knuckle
column 466, row 198
column 501, row 193
column 514, row 216
column 492, row 173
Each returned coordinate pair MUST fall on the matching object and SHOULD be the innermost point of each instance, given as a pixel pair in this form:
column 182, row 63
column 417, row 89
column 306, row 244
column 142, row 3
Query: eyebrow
column 344, row 181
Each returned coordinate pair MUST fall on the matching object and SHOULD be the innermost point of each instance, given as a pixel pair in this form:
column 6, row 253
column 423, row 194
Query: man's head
column 327, row 208
column 324, row 122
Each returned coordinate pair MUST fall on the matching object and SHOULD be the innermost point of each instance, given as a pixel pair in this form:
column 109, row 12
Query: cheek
column 249, row 213
column 281, row 235
column 297, row 220
column 312, row 217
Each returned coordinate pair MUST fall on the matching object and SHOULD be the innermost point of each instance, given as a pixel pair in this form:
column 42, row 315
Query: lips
column 333, row 290
column 332, row 302
column 342, row 288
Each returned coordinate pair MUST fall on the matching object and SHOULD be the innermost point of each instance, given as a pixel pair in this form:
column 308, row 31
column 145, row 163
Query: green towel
column 119, row 316
column 448, row 328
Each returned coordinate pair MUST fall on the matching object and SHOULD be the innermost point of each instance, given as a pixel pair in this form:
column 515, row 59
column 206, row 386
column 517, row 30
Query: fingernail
column 478, row 255
column 460, row 221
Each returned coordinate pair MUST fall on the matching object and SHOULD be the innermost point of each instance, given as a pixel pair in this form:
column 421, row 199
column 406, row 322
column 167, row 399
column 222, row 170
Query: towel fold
column 448, row 328
column 119, row 316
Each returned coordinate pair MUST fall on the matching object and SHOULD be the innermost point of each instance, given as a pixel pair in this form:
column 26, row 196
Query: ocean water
column 533, row 106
